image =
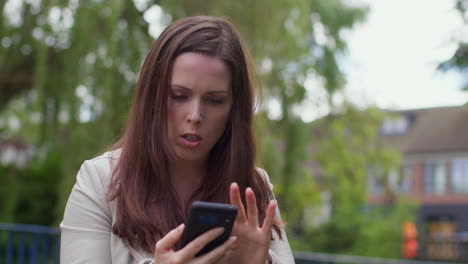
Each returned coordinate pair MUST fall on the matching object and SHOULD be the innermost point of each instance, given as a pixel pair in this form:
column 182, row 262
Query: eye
column 216, row 101
column 178, row 97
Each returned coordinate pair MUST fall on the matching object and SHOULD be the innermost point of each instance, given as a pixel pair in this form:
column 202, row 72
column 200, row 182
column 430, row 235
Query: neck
column 186, row 177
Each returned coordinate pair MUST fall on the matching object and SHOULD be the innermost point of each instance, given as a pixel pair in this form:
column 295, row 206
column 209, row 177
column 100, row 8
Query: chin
column 192, row 156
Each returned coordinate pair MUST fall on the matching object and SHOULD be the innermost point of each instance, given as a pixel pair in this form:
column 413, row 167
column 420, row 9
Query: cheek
column 220, row 119
column 173, row 112
column 171, row 117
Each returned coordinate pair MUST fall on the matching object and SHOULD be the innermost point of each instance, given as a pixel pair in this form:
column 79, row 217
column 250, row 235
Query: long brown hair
column 146, row 202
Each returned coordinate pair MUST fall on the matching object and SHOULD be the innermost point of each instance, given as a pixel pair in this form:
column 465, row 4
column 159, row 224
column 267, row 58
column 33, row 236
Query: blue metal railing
column 323, row 258
column 30, row 244
column 34, row 244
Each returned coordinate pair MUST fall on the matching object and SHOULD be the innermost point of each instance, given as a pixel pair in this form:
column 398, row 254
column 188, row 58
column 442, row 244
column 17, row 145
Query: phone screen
column 204, row 216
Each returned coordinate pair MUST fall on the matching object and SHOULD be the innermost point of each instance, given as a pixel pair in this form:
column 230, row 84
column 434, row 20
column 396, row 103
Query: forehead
column 199, row 60
column 196, row 69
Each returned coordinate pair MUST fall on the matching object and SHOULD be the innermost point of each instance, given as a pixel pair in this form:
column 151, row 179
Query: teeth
column 191, row 137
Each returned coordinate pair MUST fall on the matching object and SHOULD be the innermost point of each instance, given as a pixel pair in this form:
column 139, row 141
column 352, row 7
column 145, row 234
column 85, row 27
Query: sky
column 393, row 56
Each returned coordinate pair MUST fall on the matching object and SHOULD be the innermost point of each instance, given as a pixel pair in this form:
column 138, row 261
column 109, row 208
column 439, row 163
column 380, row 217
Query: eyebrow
column 189, row 89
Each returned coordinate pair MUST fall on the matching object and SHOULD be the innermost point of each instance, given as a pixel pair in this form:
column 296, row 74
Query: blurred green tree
column 459, row 60
column 347, row 149
column 70, row 71
column 29, row 195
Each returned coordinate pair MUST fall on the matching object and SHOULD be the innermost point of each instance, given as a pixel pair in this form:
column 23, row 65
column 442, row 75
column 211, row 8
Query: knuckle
column 176, row 260
column 209, row 235
column 197, row 247
column 158, row 245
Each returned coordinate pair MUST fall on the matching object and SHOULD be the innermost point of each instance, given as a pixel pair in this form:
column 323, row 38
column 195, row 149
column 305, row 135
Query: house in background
column 15, row 152
column 434, row 147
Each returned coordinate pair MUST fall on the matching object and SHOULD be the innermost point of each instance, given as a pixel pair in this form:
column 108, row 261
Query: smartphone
column 204, row 216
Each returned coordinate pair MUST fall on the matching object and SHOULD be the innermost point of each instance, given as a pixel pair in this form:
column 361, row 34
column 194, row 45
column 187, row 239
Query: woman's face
column 199, row 104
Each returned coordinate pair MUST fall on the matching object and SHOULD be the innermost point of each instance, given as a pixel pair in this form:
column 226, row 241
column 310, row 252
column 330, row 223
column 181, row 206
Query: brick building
column 434, row 147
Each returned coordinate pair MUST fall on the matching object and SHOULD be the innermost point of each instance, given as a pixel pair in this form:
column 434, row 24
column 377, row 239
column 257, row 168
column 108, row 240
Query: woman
column 188, row 137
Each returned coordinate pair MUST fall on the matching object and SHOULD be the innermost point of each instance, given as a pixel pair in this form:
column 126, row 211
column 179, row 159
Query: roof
column 442, row 129
column 16, row 144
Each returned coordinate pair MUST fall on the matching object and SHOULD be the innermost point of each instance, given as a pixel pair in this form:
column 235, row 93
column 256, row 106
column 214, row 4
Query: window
column 459, row 175
column 398, row 180
column 407, row 178
column 395, row 126
column 392, row 179
column 373, row 184
column 377, row 179
column 434, row 177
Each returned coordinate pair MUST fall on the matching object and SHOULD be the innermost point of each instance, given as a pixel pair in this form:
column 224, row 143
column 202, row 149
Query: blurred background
column 362, row 124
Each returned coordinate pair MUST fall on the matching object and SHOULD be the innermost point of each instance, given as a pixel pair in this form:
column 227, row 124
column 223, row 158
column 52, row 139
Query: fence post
column 22, row 248
column 57, row 250
column 46, row 248
column 9, row 248
column 33, row 249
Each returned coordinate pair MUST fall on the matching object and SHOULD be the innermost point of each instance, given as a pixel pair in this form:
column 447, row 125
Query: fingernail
column 232, row 241
column 181, row 226
column 220, row 229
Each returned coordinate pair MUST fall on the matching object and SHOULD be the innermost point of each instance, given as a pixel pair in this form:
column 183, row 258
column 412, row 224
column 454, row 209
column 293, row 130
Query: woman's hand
column 254, row 239
column 163, row 252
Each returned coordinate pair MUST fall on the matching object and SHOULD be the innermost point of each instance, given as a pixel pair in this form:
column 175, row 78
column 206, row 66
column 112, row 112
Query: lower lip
column 190, row 144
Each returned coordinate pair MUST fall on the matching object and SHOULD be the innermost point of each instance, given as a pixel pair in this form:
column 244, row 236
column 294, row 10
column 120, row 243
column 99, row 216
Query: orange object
column 410, row 249
column 409, row 230
column 410, row 244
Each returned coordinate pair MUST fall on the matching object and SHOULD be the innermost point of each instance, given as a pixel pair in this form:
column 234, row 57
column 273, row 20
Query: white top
column 87, row 222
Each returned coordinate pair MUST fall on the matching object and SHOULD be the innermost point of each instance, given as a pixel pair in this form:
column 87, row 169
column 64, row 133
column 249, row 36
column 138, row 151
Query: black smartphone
column 204, row 216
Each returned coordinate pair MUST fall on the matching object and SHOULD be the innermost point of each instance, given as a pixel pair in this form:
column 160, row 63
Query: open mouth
column 191, row 137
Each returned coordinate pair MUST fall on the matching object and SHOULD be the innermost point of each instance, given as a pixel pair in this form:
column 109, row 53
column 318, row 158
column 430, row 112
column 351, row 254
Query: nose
column 195, row 112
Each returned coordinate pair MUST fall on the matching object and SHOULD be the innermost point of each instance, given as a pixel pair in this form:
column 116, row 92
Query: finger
column 235, row 198
column 223, row 259
column 219, row 253
column 270, row 215
column 192, row 248
column 252, row 210
column 168, row 241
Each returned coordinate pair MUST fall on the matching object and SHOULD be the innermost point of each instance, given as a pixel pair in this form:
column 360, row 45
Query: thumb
column 170, row 239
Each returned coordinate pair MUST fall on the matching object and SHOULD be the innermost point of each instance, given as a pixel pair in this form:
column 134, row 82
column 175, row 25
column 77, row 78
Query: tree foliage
column 459, row 60
column 71, row 69
column 30, row 195
column 347, row 147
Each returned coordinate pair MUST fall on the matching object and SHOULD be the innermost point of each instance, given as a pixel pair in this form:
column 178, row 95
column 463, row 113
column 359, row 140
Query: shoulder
column 265, row 176
column 104, row 162
column 96, row 173
column 87, row 206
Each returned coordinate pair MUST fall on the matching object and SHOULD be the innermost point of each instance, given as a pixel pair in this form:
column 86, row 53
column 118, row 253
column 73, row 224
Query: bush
column 30, row 195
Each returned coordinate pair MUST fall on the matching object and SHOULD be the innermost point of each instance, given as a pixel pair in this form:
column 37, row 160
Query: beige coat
column 86, row 226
